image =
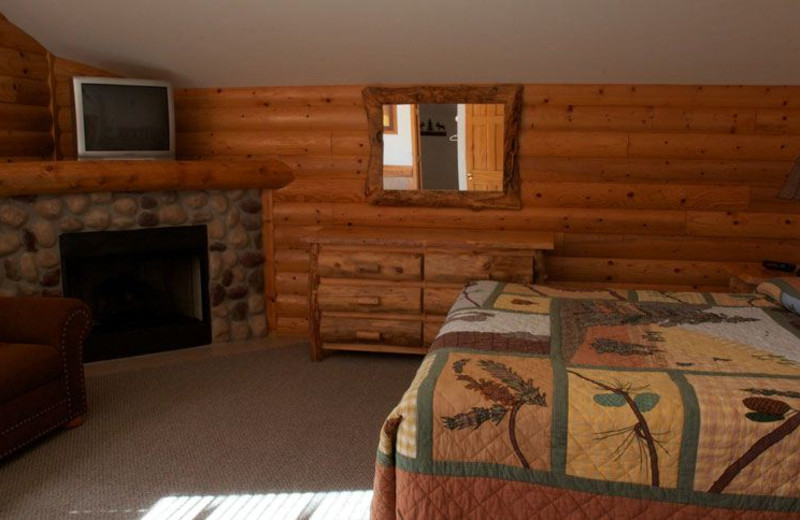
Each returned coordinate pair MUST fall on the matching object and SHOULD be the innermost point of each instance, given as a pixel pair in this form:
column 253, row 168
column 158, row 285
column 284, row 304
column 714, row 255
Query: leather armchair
column 41, row 367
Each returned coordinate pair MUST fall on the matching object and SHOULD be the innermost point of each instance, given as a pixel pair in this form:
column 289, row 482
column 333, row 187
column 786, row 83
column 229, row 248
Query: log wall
column 64, row 126
column 645, row 185
column 36, row 109
column 25, row 111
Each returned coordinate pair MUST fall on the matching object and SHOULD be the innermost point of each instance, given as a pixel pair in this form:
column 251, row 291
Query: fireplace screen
column 148, row 288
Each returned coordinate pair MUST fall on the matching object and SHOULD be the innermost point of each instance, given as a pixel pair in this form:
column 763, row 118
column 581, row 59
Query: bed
column 535, row 402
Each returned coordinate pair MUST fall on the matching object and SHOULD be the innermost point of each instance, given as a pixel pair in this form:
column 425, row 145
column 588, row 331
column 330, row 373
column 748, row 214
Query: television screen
column 121, row 119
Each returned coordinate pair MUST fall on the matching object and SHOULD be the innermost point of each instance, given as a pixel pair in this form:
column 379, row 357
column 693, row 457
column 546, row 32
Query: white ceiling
column 219, row 43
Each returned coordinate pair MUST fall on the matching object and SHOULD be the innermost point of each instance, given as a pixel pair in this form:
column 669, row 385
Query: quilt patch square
column 748, row 435
column 666, row 336
column 497, row 409
column 624, row 426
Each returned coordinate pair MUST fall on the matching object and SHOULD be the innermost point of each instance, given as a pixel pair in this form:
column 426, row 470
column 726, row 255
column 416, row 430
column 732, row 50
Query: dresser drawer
column 369, row 299
column 438, row 300
column 372, row 265
column 336, row 329
column 441, row 267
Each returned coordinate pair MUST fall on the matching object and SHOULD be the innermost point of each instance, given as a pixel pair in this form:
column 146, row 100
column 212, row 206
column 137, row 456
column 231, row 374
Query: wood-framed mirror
column 444, row 146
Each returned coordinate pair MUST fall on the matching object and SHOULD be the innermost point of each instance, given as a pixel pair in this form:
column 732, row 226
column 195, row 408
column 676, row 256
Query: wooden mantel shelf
column 47, row 177
column 433, row 238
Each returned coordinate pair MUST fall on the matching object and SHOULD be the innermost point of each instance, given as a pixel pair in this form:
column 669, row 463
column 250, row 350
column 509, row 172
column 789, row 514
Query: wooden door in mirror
column 449, row 146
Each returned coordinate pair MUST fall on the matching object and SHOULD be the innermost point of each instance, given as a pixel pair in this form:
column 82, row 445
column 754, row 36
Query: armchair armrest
column 45, row 321
column 63, row 323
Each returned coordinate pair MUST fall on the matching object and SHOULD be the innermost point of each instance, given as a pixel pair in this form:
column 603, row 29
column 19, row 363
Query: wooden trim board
column 47, row 177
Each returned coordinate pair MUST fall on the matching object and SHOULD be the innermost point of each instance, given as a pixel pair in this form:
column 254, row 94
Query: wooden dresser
column 388, row 290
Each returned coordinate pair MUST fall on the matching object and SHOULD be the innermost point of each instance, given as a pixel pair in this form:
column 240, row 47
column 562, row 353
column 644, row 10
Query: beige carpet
column 258, row 423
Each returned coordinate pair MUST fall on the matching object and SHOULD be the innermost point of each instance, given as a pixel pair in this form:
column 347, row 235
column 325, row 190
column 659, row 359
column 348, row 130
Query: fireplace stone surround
column 30, row 260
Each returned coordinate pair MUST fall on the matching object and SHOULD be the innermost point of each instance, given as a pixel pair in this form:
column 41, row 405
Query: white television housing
column 120, row 118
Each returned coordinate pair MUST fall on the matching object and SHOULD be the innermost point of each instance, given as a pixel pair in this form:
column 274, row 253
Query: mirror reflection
column 443, row 146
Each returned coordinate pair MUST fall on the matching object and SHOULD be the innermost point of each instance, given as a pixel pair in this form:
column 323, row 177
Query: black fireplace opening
column 147, row 288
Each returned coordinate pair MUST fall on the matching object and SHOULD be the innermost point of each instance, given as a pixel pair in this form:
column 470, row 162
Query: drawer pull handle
column 368, row 335
column 372, row 301
column 368, row 268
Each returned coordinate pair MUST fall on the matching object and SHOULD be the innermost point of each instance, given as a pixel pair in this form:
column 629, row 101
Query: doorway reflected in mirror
column 444, row 146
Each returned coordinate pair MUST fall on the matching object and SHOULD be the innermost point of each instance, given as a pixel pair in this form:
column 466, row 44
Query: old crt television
column 123, row 118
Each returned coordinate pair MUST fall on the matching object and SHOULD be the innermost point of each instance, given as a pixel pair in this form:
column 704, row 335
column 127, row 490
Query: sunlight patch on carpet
column 338, row 505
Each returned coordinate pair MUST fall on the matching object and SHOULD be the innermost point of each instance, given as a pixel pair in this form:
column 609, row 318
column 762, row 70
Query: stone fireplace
column 32, row 227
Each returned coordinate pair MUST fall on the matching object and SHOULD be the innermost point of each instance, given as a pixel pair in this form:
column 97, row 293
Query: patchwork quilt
column 536, row 402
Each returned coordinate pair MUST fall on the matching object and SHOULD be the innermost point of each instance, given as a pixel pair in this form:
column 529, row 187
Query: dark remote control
column 779, row 266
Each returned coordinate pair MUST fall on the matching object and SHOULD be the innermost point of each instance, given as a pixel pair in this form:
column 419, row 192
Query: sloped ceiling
column 219, row 43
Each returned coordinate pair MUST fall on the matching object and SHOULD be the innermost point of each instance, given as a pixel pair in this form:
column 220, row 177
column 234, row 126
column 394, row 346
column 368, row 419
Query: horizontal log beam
column 33, row 178
column 291, row 260
column 655, row 170
column 226, row 98
column 290, row 326
column 629, row 195
column 534, row 143
column 744, row 96
column 29, row 118
column 262, row 118
column 586, row 220
column 623, row 270
column 243, row 143
column 732, row 249
column 35, row 144
column 715, row 146
column 778, row 121
column 323, row 189
column 639, row 119
column 24, row 91
column 743, row 224
column 14, row 62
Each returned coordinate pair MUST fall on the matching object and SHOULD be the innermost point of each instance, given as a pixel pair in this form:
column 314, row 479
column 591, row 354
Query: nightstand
column 746, row 277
